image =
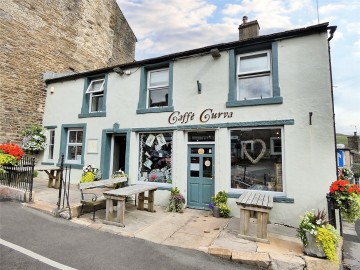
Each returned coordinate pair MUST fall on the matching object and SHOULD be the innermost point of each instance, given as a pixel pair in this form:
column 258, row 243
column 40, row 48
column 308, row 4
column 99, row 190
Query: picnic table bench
column 53, row 173
column 120, row 195
column 260, row 203
column 96, row 199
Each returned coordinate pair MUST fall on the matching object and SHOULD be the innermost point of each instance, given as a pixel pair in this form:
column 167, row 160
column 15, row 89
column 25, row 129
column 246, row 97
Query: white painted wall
column 309, row 159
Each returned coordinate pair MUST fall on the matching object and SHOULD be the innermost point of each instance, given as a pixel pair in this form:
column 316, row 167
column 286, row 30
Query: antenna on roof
column 317, row 9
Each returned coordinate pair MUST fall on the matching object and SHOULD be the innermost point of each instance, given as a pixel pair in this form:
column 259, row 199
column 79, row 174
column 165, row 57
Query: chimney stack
column 248, row 29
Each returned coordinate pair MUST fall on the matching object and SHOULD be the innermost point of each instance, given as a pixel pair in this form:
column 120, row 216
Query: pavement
column 199, row 230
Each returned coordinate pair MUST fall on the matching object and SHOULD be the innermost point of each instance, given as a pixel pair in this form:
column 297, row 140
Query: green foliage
column 356, row 170
column 176, row 201
column 341, row 139
column 220, row 200
column 87, row 177
column 328, row 238
column 7, row 159
column 36, row 174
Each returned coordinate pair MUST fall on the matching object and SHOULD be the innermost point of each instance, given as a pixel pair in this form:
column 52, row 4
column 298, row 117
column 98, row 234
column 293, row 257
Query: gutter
column 332, row 30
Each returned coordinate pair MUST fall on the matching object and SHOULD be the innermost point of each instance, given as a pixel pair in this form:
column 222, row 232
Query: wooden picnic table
column 261, row 203
column 53, row 172
column 120, row 195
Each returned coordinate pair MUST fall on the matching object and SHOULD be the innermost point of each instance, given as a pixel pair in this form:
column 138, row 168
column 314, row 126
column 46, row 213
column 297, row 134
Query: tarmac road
column 33, row 240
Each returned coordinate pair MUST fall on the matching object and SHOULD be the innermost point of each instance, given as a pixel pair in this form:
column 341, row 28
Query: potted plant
column 90, row 174
column 219, row 205
column 10, row 154
column 347, row 198
column 320, row 239
column 176, row 201
column 119, row 174
column 34, row 139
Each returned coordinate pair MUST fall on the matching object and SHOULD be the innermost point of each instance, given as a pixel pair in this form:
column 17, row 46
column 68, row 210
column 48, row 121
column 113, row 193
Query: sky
column 167, row 26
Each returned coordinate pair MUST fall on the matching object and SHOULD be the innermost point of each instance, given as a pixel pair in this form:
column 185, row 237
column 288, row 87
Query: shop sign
column 205, row 116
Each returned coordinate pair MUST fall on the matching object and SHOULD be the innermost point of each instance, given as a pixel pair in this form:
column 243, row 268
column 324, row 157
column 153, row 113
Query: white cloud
column 331, row 8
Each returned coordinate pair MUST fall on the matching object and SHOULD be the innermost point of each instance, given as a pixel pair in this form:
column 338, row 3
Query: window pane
column 96, row 103
column 255, row 87
column 253, row 166
column 71, row 153
column 72, row 136
column 52, row 136
column 51, row 152
column 207, row 167
column 253, row 63
column 158, row 98
column 159, row 78
column 155, row 157
column 79, row 136
column 195, row 167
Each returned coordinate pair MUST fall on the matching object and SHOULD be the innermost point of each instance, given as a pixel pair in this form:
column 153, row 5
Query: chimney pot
column 245, row 19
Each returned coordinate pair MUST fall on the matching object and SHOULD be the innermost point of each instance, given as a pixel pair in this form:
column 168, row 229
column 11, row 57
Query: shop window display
column 155, row 164
column 256, row 159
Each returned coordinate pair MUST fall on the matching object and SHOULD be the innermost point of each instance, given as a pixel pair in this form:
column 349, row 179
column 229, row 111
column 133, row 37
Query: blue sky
column 168, row 26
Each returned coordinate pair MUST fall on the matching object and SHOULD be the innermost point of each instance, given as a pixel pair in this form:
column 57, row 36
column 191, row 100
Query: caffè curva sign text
column 183, row 118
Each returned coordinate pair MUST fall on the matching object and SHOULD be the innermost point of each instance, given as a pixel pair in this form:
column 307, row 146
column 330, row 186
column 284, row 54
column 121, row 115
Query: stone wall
column 61, row 36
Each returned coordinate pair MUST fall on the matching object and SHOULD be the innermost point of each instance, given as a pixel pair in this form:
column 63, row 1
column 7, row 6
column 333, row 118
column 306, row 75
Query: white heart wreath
column 262, row 153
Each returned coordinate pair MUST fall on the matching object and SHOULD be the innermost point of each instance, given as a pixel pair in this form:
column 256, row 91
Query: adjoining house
column 250, row 114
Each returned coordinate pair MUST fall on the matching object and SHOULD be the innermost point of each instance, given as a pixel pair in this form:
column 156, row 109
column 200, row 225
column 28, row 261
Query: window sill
column 47, row 163
column 254, row 102
column 155, row 110
column 73, row 166
column 95, row 114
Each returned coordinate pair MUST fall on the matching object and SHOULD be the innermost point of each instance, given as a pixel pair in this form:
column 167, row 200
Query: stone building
column 62, row 36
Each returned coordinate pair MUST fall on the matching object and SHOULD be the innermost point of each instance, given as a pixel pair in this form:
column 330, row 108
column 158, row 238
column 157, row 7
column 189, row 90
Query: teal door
column 200, row 176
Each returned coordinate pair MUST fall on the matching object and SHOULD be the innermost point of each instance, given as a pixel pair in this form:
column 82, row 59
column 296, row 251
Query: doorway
column 201, row 168
column 119, row 154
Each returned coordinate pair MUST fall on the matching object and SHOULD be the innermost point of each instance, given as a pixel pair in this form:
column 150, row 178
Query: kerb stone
column 251, row 258
column 220, row 252
column 286, row 262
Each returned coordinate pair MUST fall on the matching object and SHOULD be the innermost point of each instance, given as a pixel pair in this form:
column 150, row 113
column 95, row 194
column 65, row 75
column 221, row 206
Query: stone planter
column 312, row 249
column 216, row 211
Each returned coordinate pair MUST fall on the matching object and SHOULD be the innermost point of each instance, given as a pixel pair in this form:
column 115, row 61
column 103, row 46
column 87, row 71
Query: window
column 254, row 76
column 51, row 143
column 256, row 159
column 156, row 88
column 96, row 95
column 74, row 146
column 155, row 157
column 94, row 99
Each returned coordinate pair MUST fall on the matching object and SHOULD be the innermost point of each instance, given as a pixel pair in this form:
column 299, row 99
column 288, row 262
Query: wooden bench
column 120, row 195
column 261, row 204
column 96, row 199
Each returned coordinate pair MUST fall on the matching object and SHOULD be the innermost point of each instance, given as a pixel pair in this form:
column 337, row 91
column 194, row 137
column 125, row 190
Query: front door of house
column 201, row 170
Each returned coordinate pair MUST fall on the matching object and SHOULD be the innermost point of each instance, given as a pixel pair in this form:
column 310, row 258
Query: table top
column 47, row 168
column 129, row 190
column 253, row 198
column 102, row 182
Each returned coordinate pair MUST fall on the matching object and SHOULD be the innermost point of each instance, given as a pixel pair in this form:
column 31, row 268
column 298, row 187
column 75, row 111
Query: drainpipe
column 332, row 30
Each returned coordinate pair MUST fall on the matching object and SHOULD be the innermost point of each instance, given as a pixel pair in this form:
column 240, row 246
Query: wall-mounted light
column 199, row 87
column 118, row 70
column 215, row 53
column 52, row 89
column 310, row 118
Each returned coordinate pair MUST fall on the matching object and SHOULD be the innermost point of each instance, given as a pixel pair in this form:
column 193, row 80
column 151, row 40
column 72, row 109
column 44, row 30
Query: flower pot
column 216, row 211
column 312, row 249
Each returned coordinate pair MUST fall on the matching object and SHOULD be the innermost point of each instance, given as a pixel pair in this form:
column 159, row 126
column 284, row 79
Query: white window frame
column 73, row 144
column 96, row 93
column 49, row 131
column 272, row 146
column 253, row 74
column 154, row 88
